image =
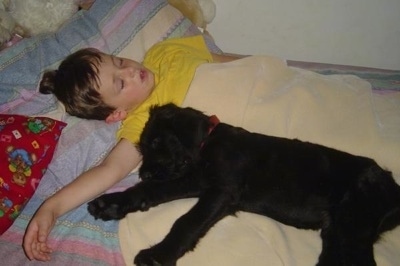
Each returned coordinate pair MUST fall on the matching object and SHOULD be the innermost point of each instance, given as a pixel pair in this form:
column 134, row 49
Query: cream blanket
column 262, row 94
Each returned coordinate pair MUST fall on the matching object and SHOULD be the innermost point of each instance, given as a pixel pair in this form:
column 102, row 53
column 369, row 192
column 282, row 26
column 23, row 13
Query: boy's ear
column 117, row 115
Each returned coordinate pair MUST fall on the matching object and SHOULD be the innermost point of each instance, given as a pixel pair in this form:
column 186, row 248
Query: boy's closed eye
column 121, row 84
column 119, row 63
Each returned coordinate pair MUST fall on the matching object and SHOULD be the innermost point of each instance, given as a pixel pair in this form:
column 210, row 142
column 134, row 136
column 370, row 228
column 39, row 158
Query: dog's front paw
column 111, row 206
column 151, row 257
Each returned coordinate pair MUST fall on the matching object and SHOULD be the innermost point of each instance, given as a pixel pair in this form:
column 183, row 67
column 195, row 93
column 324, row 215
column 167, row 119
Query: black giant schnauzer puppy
column 186, row 154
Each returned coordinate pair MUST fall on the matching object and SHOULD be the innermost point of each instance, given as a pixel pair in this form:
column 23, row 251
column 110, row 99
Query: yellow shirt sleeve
column 173, row 63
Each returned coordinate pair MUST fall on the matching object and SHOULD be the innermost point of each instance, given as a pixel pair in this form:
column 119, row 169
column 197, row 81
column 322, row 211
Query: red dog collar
column 214, row 121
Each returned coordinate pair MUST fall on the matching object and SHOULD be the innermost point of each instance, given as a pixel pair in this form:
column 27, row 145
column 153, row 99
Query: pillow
column 26, row 148
column 166, row 23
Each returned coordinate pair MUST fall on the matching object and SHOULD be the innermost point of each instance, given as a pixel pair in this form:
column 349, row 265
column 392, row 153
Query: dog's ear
column 188, row 124
column 192, row 126
column 165, row 111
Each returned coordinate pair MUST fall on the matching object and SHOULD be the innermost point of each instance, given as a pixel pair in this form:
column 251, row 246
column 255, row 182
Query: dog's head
column 170, row 141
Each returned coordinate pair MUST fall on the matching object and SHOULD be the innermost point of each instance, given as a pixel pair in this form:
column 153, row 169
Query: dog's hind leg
column 368, row 208
column 349, row 238
column 185, row 233
column 341, row 247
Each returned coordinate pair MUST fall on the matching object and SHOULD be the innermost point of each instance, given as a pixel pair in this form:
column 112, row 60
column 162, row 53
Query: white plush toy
column 200, row 12
column 32, row 17
column 7, row 23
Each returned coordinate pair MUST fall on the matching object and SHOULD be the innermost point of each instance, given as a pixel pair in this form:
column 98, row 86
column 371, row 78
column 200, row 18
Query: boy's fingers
column 37, row 254
column 43, row 251
column 40, row 251
column 42, row 247
column 34, row 243
column 28, row 241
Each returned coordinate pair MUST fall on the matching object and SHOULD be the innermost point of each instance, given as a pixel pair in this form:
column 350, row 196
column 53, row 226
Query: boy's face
column 124, row 83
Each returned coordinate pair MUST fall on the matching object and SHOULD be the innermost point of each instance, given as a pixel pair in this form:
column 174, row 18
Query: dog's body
column 350, row 198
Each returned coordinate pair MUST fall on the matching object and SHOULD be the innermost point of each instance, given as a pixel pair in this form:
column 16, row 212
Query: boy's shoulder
column 170, row 48
column 176, row 44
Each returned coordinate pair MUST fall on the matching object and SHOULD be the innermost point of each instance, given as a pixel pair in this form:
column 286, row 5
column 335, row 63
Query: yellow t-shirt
column 173, row 63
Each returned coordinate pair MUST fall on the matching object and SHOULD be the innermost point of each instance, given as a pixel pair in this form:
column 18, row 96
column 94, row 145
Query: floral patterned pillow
column 27, row 145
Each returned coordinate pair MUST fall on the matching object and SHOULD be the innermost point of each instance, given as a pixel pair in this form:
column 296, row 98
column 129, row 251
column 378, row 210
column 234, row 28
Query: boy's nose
column 129, row 71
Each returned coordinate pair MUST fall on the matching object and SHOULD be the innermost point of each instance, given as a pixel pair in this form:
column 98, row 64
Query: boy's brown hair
column 74, row 83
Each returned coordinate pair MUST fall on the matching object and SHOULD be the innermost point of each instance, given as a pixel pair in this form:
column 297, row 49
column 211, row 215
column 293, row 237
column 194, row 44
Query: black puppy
column 186, row 154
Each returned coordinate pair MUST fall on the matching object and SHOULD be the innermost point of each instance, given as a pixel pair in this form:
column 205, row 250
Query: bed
column 366, row 99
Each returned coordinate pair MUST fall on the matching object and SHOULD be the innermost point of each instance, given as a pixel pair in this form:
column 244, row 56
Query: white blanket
column 262, row 94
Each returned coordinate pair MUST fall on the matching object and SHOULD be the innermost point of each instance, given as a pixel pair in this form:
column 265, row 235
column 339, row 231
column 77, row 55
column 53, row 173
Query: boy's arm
column 121, row 160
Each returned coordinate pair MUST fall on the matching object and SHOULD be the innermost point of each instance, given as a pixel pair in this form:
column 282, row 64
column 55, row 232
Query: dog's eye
column 187, row 160
column 155, row 143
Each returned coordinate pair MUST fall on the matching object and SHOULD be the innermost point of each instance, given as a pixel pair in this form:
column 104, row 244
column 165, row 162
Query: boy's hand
column 35, row 238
